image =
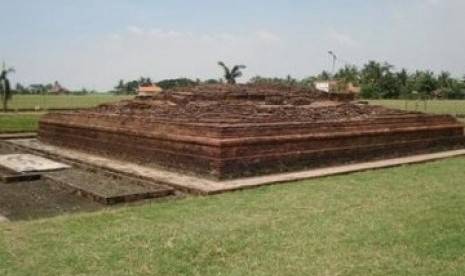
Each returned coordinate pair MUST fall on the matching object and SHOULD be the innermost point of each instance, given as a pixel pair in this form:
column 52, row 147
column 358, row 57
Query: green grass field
column 19, row 122
column 453, row 107
column 61, row 101
column 28, row 121
column 401, row 221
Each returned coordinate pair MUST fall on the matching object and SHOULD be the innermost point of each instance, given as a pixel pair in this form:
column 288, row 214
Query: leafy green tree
column 131, row 87
column 5, row 88
column 324, row 76
column 444, row 80
column 347, row 74
column 389, row 86
column 145, row 81
column 403, row 79
column 230, row 75
column 176, row 83
column 308, row 81
column 274, row 81
column 403, row 76
column 21, row 89
column 212, row 81
column 373, row 71
column 120, row 87
column 376, row 79
column 425, row 82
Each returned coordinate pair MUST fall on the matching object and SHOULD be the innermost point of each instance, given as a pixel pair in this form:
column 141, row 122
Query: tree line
column 377, row 80
column 380, row 81
column 131, row 87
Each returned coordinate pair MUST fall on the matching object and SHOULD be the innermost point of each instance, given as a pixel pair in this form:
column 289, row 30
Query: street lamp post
column 333, row 55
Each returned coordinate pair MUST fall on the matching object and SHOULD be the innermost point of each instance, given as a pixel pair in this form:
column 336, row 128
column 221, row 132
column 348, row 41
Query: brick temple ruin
column 232, row 131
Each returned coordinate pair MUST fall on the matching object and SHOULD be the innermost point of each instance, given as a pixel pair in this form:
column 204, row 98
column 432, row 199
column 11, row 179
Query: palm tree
column 5, row 88
column 231, row 75
column 403, row 76
column 373, row 71
column 349, row 73
column 444, row 79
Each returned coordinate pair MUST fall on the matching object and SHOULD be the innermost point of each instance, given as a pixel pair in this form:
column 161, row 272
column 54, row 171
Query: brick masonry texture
column 225, row 132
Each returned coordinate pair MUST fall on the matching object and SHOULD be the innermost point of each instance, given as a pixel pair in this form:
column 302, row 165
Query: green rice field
column 41, row 102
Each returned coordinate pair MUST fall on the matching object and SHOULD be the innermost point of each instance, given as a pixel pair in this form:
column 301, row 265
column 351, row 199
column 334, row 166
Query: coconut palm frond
column 237, row 74
column 231, row 74
column 225, row 68
column 238, row 67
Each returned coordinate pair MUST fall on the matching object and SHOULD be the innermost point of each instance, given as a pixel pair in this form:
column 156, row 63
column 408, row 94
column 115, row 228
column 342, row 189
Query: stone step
column 105, row 187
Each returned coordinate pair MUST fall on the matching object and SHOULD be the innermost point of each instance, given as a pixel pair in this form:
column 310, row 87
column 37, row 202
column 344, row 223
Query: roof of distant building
column 148, row 89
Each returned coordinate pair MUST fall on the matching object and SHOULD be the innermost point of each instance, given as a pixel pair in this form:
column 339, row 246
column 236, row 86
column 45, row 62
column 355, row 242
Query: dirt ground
column 35, row 199
column 29, row 200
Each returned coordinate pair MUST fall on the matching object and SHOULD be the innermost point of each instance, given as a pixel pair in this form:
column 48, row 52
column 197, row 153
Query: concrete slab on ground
column 22, row 163
column 198, row 185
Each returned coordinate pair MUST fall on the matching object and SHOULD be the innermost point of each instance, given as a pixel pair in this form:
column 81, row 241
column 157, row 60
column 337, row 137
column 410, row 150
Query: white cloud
column 157, row 33
column 114, row 36
column 442, row 2
column 435, row 2
column 135, row 30
column 168, row 53
column 425, row 35
column 267, row 35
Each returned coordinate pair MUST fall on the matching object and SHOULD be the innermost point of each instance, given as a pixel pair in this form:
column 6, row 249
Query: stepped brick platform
column 225, row 132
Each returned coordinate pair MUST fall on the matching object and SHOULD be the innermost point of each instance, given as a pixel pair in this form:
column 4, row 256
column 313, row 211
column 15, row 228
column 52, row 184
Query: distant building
column 58, row 89
column 354, row 89
column 336, row 87
column 148, row 90
column 326, row 86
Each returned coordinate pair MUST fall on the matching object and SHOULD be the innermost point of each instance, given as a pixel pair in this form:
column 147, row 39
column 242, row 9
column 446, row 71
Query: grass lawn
column 61, row 101
column 28, row 121
column 454, row 107
column 401, row 221
column 19, row 122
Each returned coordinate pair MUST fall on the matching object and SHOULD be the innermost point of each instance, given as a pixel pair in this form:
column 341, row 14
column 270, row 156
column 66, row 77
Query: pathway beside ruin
column 17, row 135
column 203, row 186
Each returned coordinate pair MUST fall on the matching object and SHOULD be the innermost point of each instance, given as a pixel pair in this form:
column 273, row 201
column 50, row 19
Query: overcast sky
column 94, row 43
